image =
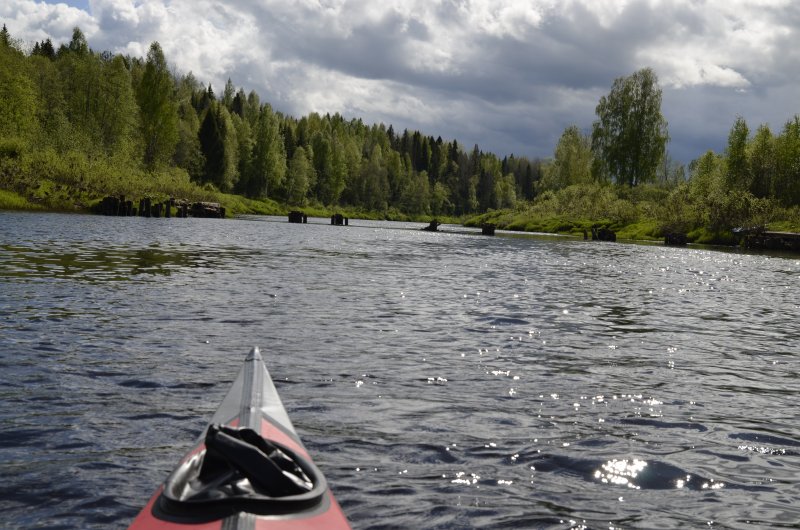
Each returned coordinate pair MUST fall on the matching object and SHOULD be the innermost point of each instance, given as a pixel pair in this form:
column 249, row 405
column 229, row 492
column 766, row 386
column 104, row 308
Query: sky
column 507, row 75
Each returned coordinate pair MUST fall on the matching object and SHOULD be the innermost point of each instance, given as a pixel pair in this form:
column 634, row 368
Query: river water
column 440, row 380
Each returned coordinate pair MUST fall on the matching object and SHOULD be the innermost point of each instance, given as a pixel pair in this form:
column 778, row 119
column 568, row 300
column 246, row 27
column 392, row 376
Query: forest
column 77, row 125
column 111, row 124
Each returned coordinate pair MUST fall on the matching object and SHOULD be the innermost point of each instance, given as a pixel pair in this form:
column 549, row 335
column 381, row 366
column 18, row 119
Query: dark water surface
column 440, row 380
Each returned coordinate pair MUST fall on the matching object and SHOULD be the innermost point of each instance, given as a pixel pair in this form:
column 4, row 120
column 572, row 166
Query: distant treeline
column 98, row 123
column 72, row 110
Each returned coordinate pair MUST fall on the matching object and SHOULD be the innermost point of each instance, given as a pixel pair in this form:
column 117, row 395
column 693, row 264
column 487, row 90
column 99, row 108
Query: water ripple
column 440, row 380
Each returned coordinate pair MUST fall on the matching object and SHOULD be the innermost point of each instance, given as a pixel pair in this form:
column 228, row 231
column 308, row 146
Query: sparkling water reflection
column 441, row 380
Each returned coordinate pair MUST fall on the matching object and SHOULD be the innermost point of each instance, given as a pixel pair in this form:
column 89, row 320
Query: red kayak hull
column 252, row 402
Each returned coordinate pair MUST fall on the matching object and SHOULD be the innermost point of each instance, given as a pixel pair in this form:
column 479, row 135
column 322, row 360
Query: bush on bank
column 645, row 212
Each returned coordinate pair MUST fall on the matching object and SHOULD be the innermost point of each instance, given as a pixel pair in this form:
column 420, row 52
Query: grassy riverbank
column 45, row 183
column 642, row 213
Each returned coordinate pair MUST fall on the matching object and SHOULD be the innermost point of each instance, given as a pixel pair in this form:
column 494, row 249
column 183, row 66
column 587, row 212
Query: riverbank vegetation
column 77, row 125
column 622, row 178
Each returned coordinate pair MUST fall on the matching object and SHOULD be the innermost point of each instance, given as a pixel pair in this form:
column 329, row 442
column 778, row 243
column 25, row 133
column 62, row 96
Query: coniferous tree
column 5, row 37
column 322, row 159
column 212, row 144
column 228, row 94
column 206, row 99
column 436, row 160
column 489, row 174
column 47, row 49
column 289, row 141
column 469, row 180
column 239, row 103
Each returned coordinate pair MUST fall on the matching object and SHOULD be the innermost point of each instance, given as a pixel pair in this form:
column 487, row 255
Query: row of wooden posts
column 758, row 237
column 336, row 219
column 118, row 206
column 488, row 229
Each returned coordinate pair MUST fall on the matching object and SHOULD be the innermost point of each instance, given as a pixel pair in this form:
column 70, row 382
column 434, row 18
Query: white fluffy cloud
column 508, row 75
column 32, row 21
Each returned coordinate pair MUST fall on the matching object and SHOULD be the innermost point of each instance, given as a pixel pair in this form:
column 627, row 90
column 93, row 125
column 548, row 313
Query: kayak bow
column 249, row 470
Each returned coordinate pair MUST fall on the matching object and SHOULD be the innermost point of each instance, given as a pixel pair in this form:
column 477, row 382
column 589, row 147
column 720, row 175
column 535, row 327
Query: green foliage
column 212, row 144
column 374, row 179
column 10, row 200
column 78, row 45
column 18, row 97
column 642, row 230
column 571, row 209
column 505, row 192
column 76, row 125
column 738, row 175
column 298, row 177
column 416, row 196
column 11, row 147
column 489, row 172
column 5, row 37
column 630, row 135
column 188, row 153
column 158, row 110
column 572, row 161
column 322, row 159
column 678, row 213
column 219, row 145
column 440, row 203
column 786, row 184
column 268, row 169
column 762, row 163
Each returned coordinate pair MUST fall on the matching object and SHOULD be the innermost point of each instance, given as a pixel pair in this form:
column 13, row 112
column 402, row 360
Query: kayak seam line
column 247, row 394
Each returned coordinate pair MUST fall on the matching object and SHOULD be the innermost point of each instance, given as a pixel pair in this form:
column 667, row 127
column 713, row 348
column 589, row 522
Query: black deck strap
column 233, row 476
column 269, row 470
